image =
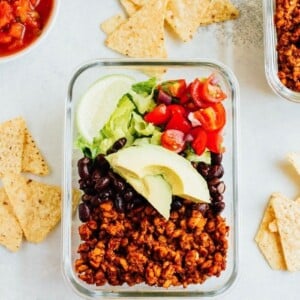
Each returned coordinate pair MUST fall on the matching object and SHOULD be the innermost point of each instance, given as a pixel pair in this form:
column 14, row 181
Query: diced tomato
column 173, row 140
column 179, row 122
column 214, row 142
column 175, row 88
column 200, row 140
column 5, row 38
column 207, row 91
column 6, row 13
column 211, row 118
column 159, row 115
column 17, row 31
column 176, row 109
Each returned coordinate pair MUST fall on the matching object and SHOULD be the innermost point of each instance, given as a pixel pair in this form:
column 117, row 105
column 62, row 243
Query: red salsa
column 21, row 23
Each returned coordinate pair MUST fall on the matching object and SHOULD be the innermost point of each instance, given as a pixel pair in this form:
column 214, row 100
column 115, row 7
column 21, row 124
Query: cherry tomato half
column 175, row 88
column 173, row 140
column 206, row 92
column 200, row 140
column 159, row 115
column 211, row 118
column 214, row 142
column 179, row 122
column 175, row 109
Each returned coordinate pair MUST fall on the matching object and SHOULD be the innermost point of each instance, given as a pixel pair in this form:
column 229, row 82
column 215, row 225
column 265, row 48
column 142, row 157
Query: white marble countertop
column 35, row 87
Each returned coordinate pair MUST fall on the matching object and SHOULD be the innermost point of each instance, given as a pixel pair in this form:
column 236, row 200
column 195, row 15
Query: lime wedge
column 99, row 102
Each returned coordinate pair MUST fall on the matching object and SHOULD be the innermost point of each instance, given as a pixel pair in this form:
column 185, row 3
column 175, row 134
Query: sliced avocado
column 143, row 160
column 159, row 194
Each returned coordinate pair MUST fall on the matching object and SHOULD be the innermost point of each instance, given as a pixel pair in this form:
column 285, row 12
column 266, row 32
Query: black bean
column 215, row 171
column 95, row 201
column 119, row 203
column 221, row 187
column 216, row 158
column 176, row 203
column 203, row 169
column 84, row 212
column 218, row 207
column 117, row 181
column 213, row 182
column 194, row 164
column 86, row 198
column 106, row 194
column 128, row 195
column 102, row 183
column 96, row 175
column 84, row 167
column 101, row 163
column 218, row 197
column 119, row 144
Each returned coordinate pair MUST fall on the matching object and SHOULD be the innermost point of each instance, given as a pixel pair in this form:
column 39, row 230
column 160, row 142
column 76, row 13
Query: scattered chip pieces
column 287, row 214
column 183, row 16
column 12, row 135
column 268, row 241
column 33, row 161
column 109, row 25
column 142, row 35
column 10, row 230
column 219, row 11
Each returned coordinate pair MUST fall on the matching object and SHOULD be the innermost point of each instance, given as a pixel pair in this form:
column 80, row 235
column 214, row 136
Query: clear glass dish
column 190, row 69
column 271, row 63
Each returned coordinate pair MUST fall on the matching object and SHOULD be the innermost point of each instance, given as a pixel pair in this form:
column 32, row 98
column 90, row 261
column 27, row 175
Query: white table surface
column 35, row 87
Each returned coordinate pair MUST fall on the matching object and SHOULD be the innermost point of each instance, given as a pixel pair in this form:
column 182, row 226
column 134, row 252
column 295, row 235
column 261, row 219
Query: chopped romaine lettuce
column 145, row 88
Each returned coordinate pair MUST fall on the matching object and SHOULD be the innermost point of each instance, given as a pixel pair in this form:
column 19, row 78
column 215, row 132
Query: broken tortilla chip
column 294, row 159
column 11, row 146
column 111, row 24
column 269, row 242
column 129, row 7
column 33, row 160
column 142, row 35
column 287, row 214
column 219, row 11
column 36, row 205
column 10, row 230
column 183, row 16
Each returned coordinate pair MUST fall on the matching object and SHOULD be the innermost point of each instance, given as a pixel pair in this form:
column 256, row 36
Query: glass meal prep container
column 271, row 62
column 189, row 70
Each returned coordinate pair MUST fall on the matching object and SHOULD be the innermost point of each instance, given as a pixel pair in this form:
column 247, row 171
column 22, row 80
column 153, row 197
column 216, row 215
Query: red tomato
column 173, row 140
column 175, row 88
column 176, row 109
column 200, row 140
column 214, row 142
column 179, row 122
column 158, row 116
column 211, row 118
column 207, row 91
column 6, row 13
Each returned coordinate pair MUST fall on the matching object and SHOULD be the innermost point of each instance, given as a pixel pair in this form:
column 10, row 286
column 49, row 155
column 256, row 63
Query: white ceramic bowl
column 38, row 40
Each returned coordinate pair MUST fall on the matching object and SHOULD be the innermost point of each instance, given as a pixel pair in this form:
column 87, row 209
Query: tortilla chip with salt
column 10, row 230
column 12, row 134
column 33, row 160
column 142, row 35
column 129, row 7
column 183, row 16
column 287, row 214
column 36, row 205
column 294, row 159
column 268, row 241
column 219, row 11
column 111, row 24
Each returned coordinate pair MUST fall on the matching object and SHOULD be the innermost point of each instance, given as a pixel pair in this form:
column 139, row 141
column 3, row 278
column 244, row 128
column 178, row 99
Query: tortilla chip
column 36, row 205
column 11, row 146
column 142, row 35
column 129, row 7
column 139, row 2
column 111, row 24
column 268, row 241
column 183, row 16
column 33, row 160
column 287, row 213
column 294, row 159
column 219, row 11
column 10, row 230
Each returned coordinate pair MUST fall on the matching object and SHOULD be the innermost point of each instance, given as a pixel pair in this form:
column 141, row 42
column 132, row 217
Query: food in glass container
column 21, row 23
column 287, row 20
column 137, row 223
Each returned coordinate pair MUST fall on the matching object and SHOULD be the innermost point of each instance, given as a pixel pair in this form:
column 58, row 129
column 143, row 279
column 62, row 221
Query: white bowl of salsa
column 23, row 25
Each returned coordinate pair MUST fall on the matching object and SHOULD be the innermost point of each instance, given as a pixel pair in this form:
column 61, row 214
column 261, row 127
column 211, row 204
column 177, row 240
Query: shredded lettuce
column 145, row 88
